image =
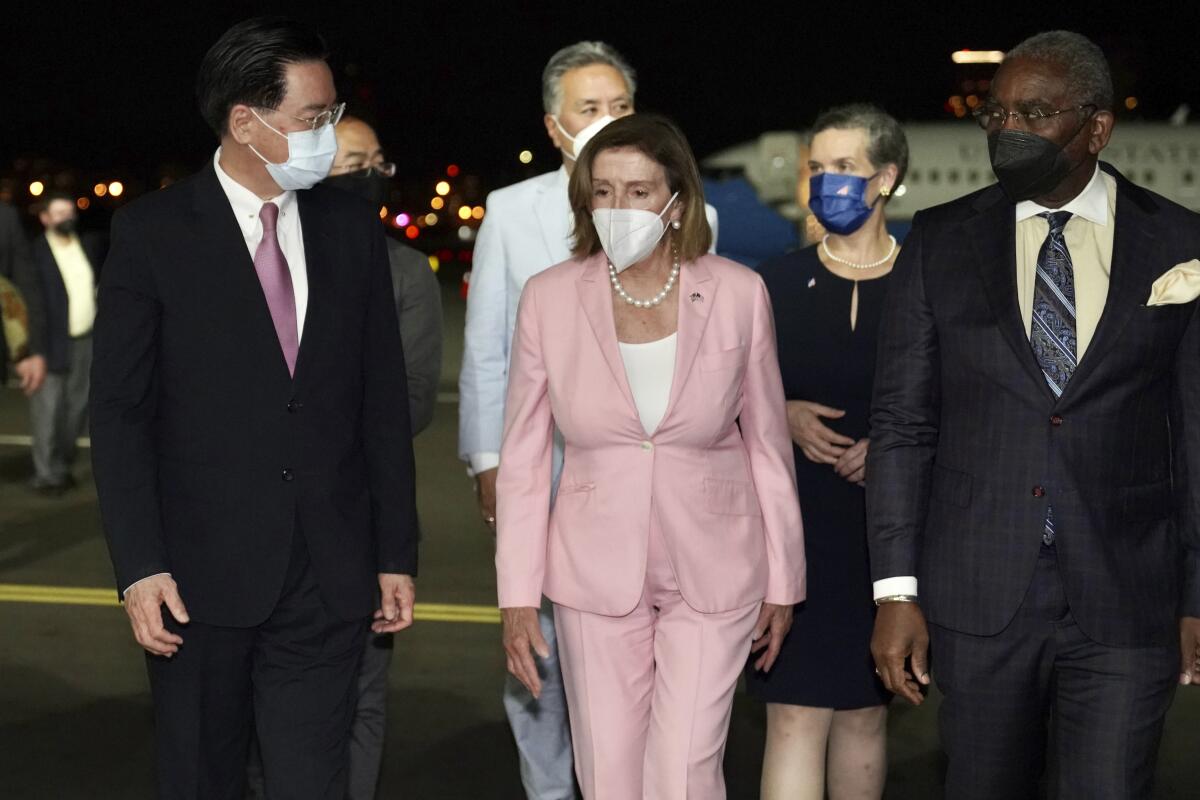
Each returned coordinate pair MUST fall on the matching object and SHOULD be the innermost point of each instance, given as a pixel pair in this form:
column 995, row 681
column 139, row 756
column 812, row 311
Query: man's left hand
column 399, row 594
column 1189, row 650
column 852, row 464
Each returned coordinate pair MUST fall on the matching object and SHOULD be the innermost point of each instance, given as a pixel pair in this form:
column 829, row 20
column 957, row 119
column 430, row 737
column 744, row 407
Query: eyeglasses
column 991, row 116
column 386, row 168
column 330, row 116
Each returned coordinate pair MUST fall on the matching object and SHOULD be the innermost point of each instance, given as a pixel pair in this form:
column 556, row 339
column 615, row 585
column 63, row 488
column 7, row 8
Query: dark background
column 107, row 88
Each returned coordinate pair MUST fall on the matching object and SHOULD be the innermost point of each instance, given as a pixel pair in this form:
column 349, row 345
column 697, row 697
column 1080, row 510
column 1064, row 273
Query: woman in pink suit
column 674, row 545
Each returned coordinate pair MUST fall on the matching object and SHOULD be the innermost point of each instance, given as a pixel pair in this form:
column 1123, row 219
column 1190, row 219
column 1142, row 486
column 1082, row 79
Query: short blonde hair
column 661, row 141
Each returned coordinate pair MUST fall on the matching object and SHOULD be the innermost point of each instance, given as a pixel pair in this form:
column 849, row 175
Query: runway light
column 452, row 170
column 977, row 56
column 100, row 190
column 383, row 212
column 972, row 100
column 1131, row 103
column 82, row 203
column 464, row 212
column 411, row 232
column 442, row 188
column 477, row 212
column 116, row 188
column 525, row 157
column 434, row 263
column 437, row 203
column 431, row 218
column 402, row 219
column 36, row 188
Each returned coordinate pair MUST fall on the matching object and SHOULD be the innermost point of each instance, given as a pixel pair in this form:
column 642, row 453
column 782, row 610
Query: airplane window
column 973, row 176
column 1188, row 177
column 915, row 176
column 952, row 175
column 934, row 176
column 1148, row 176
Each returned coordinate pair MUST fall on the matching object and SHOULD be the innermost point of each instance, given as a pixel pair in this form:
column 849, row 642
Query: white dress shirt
column 79, row 280
column 650, row 368
column 1089, row 237
column 246, row 207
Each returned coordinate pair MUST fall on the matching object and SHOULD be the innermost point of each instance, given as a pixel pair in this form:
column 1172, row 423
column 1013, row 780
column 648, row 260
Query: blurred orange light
column 431, row 218
column 442, row 188
column 383, row 212
column 477, row 212
column 1131, row 103
column 452, row 170
column 100, row 190
column 411, row 231
column 116, row 188
column 464, row 212
column 36, row 188
column 82, row 203
column 437, row 203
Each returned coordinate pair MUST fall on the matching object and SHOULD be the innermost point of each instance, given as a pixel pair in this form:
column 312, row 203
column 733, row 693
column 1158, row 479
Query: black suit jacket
column 16, row 265
column 54, row 295
column 964, row 430
column 207, row 454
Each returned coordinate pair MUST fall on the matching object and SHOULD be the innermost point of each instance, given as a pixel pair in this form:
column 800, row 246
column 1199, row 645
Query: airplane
column 948, row 160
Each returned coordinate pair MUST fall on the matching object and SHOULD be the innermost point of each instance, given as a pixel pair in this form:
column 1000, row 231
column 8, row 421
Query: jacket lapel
column 595, row 295
column 552, row 209
column 993, row 235
column 318, row 255
column 694, row 277
column 1134, row 249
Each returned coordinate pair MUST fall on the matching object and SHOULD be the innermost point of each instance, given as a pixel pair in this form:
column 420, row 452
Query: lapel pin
column 812, row 282
column 696, row 297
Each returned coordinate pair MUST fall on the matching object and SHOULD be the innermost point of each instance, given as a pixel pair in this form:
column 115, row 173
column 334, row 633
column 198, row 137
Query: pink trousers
column 650, row 693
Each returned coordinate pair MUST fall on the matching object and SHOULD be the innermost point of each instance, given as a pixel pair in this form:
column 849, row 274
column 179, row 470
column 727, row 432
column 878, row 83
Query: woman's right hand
column 819, row 443
column 523, row 633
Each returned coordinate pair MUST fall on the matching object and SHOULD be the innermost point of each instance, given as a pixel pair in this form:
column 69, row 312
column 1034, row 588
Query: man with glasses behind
column 251, row 434
column 1035, row 450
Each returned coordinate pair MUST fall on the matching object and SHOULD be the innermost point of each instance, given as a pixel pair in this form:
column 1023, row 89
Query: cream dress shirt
column 79, row 280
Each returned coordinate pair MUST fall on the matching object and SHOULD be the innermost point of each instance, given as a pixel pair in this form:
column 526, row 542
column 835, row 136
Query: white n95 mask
column 629, row 234
column 584, row 136
column 310, row 157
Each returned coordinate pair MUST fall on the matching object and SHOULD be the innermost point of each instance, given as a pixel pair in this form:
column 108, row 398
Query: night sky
column 110, row 86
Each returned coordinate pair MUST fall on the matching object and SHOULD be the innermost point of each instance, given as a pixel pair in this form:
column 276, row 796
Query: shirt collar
column 246, row 204
column 1091, row 203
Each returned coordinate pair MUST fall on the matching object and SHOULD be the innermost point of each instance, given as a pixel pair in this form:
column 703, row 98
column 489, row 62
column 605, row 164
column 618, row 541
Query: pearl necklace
column 851, row 264
column 653, row 301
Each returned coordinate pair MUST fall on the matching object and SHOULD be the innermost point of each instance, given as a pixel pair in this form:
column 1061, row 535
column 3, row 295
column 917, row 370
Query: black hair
column 248, row 65
column 50, row 196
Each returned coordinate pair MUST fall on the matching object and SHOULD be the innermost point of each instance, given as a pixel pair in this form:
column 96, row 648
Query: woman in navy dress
column 826, row 708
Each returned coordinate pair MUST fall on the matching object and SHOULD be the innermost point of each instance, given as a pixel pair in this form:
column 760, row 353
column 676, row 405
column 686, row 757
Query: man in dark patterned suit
column 1035, row 449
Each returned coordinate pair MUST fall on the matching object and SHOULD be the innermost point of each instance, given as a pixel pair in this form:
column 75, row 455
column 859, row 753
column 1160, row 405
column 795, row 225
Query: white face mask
column 310, row 157
column 629, row 234
column 584, row 136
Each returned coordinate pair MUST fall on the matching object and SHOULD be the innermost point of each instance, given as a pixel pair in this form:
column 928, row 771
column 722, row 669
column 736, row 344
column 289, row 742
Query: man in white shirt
column 66, row 263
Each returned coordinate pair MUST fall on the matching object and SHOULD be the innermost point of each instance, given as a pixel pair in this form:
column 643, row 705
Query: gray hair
column 574, row 56
column 886, row 143
column 1088, row 78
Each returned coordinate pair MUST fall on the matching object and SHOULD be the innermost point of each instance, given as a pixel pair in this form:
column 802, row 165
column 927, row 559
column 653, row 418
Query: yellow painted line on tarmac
column 80, row 596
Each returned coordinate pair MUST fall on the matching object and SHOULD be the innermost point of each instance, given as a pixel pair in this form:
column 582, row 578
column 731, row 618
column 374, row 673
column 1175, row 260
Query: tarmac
column 75, row 714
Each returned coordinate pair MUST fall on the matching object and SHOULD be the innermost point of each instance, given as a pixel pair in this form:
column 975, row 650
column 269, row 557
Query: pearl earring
column 676, row 224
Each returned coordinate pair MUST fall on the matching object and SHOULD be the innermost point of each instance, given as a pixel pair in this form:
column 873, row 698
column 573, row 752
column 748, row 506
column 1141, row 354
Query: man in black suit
column 250, row 432
column 66, row 262
column 16, row 266
column 1035, row 450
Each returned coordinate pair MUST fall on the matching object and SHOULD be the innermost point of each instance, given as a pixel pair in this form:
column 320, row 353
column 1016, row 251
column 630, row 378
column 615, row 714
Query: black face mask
column 371, row 187
column 1028, row 165
column 65, row 228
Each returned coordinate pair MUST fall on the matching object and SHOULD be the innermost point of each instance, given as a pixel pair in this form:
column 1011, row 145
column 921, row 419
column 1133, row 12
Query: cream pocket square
column 1180, row 284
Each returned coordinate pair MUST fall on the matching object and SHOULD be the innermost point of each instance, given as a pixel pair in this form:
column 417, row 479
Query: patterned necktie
column 276, row 280
column 1052, row 333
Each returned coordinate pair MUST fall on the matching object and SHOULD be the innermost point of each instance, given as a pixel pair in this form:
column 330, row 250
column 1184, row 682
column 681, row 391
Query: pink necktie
column 276, row 280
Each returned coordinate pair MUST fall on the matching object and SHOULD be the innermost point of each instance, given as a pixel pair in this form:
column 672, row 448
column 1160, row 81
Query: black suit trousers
column 1105, row 705
column 293, row 676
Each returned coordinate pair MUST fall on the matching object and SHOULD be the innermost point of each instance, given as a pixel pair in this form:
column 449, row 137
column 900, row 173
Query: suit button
column 294, row 405
column 1056, row 420
column 288, row 475
column 647, row 446
column 1039, row 491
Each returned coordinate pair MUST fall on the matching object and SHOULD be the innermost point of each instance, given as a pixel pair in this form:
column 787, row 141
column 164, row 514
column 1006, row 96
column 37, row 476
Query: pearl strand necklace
column 653, row 301
column 853, row 265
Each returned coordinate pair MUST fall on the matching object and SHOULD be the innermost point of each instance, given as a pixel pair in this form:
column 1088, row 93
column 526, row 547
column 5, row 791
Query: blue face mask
column 840, row 201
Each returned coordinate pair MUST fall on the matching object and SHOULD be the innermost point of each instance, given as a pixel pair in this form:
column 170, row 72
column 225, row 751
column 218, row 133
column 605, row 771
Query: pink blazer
column 725, row 497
